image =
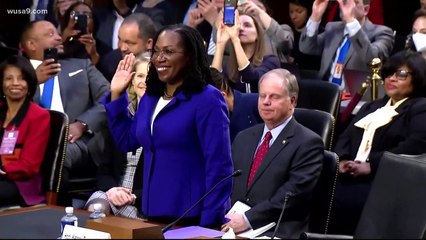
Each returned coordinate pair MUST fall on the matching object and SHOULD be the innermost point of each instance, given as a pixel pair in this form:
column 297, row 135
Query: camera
column 81, row 23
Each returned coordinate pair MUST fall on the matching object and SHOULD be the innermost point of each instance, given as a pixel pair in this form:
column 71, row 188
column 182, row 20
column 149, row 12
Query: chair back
column 322, row 201
column 319, row 122
column 395, row 207
column 53, row 162
column 320, row 95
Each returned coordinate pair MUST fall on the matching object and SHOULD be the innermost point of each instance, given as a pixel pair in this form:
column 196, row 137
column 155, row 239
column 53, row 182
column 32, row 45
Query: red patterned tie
column 259, row 156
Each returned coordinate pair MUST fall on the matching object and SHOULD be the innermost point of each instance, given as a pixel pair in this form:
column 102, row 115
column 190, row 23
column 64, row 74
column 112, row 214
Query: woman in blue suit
column 182, row 124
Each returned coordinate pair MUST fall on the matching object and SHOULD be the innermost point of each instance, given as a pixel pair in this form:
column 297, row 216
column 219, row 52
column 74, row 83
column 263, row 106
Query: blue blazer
column 187, row 153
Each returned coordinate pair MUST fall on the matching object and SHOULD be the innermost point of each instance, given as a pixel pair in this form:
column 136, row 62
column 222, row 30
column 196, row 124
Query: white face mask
column 419, row 40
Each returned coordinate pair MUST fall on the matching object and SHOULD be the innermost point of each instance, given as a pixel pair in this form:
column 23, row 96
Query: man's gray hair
column 288, row 78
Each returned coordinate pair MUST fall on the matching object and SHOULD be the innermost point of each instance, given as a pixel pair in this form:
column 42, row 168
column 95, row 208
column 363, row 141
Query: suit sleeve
column 414, row 143
column 380, row 46
column 303, row 176
column 281, row 35
column 95, row 116
column 34, row 148
column 213, row 132
column 313, row 45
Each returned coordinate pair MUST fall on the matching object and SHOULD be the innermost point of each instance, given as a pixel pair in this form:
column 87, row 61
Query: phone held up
column 81, row 23
column 51, row 53
column 229, row 12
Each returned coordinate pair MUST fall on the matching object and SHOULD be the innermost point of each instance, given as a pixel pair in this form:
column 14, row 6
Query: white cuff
column 353, row 27
column 247, row 221
column 311, row 27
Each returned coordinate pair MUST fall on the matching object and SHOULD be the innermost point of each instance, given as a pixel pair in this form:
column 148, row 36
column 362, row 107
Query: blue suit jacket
column 187, row 153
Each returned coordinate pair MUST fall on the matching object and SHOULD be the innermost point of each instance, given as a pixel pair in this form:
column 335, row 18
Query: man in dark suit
column 76, row 88
column 365, row 40
column 279, row 159
column 135, row 35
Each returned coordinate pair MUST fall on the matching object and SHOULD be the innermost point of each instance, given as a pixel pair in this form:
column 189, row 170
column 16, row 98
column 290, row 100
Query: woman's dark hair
column 304, row 3
column 220, row 81
column 196, row 74
column 415, row 63
column 27, row 70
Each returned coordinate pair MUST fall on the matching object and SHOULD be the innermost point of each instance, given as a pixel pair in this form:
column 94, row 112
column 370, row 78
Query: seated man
column 279, row 159
column 73, row 86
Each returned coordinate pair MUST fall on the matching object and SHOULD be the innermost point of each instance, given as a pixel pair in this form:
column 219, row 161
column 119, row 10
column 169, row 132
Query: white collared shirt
column 56, row 96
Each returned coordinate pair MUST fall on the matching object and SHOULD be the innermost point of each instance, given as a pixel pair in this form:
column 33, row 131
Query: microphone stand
column 170, row 225
column 287, row 196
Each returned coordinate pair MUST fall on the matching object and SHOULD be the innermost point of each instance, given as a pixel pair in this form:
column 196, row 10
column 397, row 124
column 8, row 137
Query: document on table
column 240, row 207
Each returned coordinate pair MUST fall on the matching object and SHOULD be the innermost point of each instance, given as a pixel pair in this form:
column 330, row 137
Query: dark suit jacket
column 108, row 63
column 106, row 19
column 23, row 166
column 292, row 165
column 244, row 114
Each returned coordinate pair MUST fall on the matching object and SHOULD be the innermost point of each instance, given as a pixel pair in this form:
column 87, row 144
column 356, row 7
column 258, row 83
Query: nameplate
column 73, row 232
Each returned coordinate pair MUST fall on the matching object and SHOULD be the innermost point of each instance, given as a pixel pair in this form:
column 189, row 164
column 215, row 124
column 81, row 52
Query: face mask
column 419, row 40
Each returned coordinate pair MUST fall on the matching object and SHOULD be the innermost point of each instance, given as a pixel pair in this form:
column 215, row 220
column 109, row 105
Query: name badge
column 338, row 71
column 8, row 143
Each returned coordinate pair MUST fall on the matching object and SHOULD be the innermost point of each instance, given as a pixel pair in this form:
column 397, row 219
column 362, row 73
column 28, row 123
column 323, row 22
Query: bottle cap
column 97, row 206
column 69, row 210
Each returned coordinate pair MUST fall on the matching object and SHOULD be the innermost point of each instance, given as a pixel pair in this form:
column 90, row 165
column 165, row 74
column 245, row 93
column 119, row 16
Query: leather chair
column 395, row 207
column 322, row 201
column 54, row 157
column 320, row 95
column 318, row 121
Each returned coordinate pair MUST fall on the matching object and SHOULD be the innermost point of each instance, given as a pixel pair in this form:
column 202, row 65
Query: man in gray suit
column 367, row 40
column 280, row 160
column 77, row 88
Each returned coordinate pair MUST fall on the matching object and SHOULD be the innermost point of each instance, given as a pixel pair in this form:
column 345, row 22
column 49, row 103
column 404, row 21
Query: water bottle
column 68, row 219
column 98, row 213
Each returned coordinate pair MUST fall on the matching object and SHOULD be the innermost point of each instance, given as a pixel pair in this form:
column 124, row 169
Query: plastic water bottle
column 68, row 219
column 98, row 213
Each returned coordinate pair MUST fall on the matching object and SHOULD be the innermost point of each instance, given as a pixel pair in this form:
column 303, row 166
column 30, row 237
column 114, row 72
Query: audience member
column 111, row 17
column 135, row 36
column 287, row 162
column 73, row 86
column 279, row 38
column 348, row 44
column 242, row 107
column 182, row 125
column 416, row 41
column 121, row 191
column 299, row 11
column 59, row 8
column 247, row 62
column 78, row 43
column 26, row 127
column 394, row 123
column 202, row 15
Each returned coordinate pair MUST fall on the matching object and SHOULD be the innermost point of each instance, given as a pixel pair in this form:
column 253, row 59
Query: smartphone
column 229, row 12
column 51, row 53
column 81, row 23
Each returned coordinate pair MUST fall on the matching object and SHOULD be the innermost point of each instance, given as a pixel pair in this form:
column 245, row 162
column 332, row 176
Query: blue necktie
column 40, row 5
column 337, row 77
column 46, row 97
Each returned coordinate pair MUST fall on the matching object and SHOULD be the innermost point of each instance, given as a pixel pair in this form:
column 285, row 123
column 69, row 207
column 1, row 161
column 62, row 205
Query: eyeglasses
column 167, row 53
column 74, row 14
column 401, row 74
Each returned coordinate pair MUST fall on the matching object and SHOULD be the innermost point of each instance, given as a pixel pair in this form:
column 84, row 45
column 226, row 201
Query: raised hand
column 347, row 8
column 47, row 69
column 122, row 76
column 208, row 10
column 318, row 9
column 195, row 18
column 249, row 7
column 89, row 43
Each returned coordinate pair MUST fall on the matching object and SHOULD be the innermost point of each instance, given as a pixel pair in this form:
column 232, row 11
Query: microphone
column 170, row 225
column 287, row 196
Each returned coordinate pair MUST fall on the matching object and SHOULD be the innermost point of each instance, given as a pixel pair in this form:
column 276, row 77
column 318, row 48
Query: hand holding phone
column 51, row 53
